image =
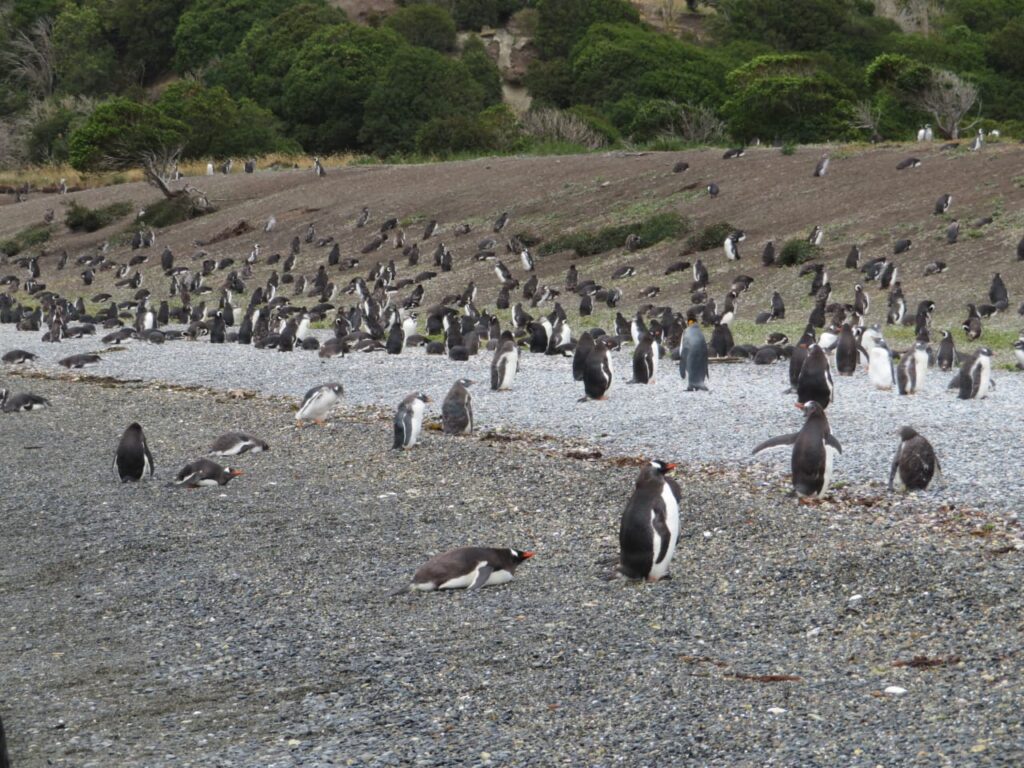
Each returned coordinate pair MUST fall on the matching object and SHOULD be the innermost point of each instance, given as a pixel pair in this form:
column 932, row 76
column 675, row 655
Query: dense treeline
column 239, row 77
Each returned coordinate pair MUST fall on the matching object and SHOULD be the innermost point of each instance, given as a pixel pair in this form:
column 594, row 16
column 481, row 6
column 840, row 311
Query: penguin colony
column 383, row 321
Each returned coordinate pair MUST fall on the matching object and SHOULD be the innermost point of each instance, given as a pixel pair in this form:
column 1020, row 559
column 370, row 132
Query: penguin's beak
column 669, row 467
column 799, row 405
column 528, row 555
column 236, row 472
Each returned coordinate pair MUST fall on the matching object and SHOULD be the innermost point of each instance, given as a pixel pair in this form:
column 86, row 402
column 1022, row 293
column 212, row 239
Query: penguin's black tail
column 404, row 589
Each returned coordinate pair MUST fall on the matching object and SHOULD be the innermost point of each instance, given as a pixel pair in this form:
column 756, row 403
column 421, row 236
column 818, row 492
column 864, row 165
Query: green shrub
column 445, row 136
column 164, row 213
column 654, row 229
column 797, row 252
column 711, row 236
column 426, row 25
column 789, row 149
column 29, row 237
column 80, row 218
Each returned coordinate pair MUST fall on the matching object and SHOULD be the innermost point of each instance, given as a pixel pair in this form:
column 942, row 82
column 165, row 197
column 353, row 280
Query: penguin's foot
column 298, row 424
column 319, row 422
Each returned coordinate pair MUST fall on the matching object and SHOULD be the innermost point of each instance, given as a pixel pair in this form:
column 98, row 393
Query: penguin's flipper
column 776, row 442
column 831, row 440
column 676, row 490
column 661, row 527
column 894, row 467
column 482, row 576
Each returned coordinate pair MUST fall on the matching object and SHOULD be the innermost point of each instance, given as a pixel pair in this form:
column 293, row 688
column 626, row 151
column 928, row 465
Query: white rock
column 895, row 690
column 776, row 711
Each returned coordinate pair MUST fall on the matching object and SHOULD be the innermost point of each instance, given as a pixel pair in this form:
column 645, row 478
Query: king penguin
column 133, row 459
column 693, row 356
column 813, row 448
column 649, row 529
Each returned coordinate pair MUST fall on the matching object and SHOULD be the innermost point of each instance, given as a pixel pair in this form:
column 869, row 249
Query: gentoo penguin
column 910, row 162
column 915, row 463
column 318, row 402
column 693, row 357
column 861, row 300
column 218, row 331
column 466, row 568
column 947, row 357
column 597, row 371
column 80, row 361
column 584, row 345
column 645, row 360
column 853, row 257
column 815, row 379
column 911, row 371
column 204, row 473
column 396, row 339
column 409, row 420
column 1018, row 352
column 822, row 166
column 817, row 235
column 972, row 325
column 721, row 339
column 731, row 245
column 457, row 409
column 847, row 351
column 236, row 443
column 942, row 204
column 976, row 375
column 133, row 460
column 712, row 189
column 880, row 367
column 649, row 529
column 768, row 254
column 505, row 363
column 997, row 293
column 24, row 401
column 813, row 448
column 953, row 232
column 18, row 356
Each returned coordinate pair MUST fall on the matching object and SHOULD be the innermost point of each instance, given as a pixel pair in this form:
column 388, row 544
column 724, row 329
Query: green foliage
column 334, row 73
column 164, row 213
column 24, row 12
column 48, row 136
column 550, row 82
column 142, row 34
column 211, row 28
column 418, row 85
column 85, row 61
column 652, row 230
column 561, row 23
column 1004, row 48
column 218, row 126
column 80, row 218
column 27, row 238
column 449, row 135
column 425, row 25
column 788, row 149
column 795, row 25
column 797, row 252
column 119, row 132
column 482, row 69
column 710, row 236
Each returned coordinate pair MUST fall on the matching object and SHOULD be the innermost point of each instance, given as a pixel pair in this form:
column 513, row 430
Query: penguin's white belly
column 417, row 423
column 984, row 383
column 880, row 369
column 826, row 481
column 509, row 372
column 660, row 570
column 1020, row 357
column 318, row 405
column 465, row 581
column 654, row 360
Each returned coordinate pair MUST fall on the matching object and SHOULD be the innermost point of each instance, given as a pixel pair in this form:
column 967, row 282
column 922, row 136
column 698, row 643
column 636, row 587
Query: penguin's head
column 906, row 433
column 810, row 408
column 465, row 382
column 228, row 473
column 423, row 396
column 662, row 467
column 336, row 389
column 985, row 352
column 520, row 555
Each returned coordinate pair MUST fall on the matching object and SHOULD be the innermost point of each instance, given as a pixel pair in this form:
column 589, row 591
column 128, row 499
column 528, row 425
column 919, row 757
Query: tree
column 122, row 134
column 561, row 23
column 142, row 34
column 30, row 59
column 419, row 85
column 482, row 69
column 212, row 28
column 794, row 25
column 948, row 98
column 85, row 60
column 426, row 25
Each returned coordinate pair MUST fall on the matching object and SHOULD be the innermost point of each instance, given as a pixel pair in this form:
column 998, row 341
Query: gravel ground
column 149, row 625
column 747, row 405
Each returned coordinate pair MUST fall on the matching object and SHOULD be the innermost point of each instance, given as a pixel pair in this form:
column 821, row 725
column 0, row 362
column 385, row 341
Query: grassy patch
column 710, row 236
column 81, row 218
column 797, row 252
column 29, row 237
column 654, row 229
column 164, row 213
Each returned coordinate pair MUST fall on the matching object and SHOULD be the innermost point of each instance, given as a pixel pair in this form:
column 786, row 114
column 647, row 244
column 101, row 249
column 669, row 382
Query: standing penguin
column 976, row 375
column 584, row 345
column 649, row 529
column 318, row 402
column 133, row 459
column 847, row 351
column 721, row 339
column 880, row 367
column 946, row 358
column 693, row 356
column 597, row 371
column 815, row 379
column 505, row 363
column 409, row 420
column 915, row 462
column 457, row 409
column 911, row 371
column 813, row 448
column 217, row 331
column 645, row 360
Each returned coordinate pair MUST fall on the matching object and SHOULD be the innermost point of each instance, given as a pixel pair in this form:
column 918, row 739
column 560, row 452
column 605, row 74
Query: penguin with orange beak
column 813, row 451
column 466, row 568
column 649, row 530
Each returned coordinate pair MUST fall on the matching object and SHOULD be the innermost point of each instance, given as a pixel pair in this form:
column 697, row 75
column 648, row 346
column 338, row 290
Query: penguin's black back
column 133, row 455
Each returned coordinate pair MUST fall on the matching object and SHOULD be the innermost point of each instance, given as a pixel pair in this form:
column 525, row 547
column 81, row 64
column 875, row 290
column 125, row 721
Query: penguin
column 731, row 245
column 934, row 268
column 700, row 275
column 237, row 443
column 318, row 402
column 847, row 351
column 645, row 360
column 693, row 357
column 713, row 190
column 915, row 463
column 466, row 568
column 880, row 367
column 997, row 293
column 972, row 325
column 778, row 307
column 1018, row 352
column 457, row 409
column 18, row 357
column 205, row 473
column 24, row 401
column 853, row 257
column 817, row 235
column 821, row 168
column 947, row 356
column 396, row 339
column 721, row 339
column 976, row 375
column 911, row 370
column 861, row 300
column 584, row 345
column 80, row 361
column 649, row 528
column 505, row 363
column 910, row 162
column 768, row 254
column 942, row 204
column 814, row 383
column 597, row 371
column 409, row 420
column 217, row 331
column 501, row 222
column 813, row 451
column 132, row 460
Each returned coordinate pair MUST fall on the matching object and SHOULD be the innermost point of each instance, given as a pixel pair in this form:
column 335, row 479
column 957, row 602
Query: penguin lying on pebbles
column 914, row 464
column 204, row 473
column 457, row 409
column 649, row 529
column 318, row 402
column 813, row 448
column 133, row 460
column 24, row 401
column 236, row 443
column 466, row 568
column 18, row 356
column 79, row 361
column 409, row 420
